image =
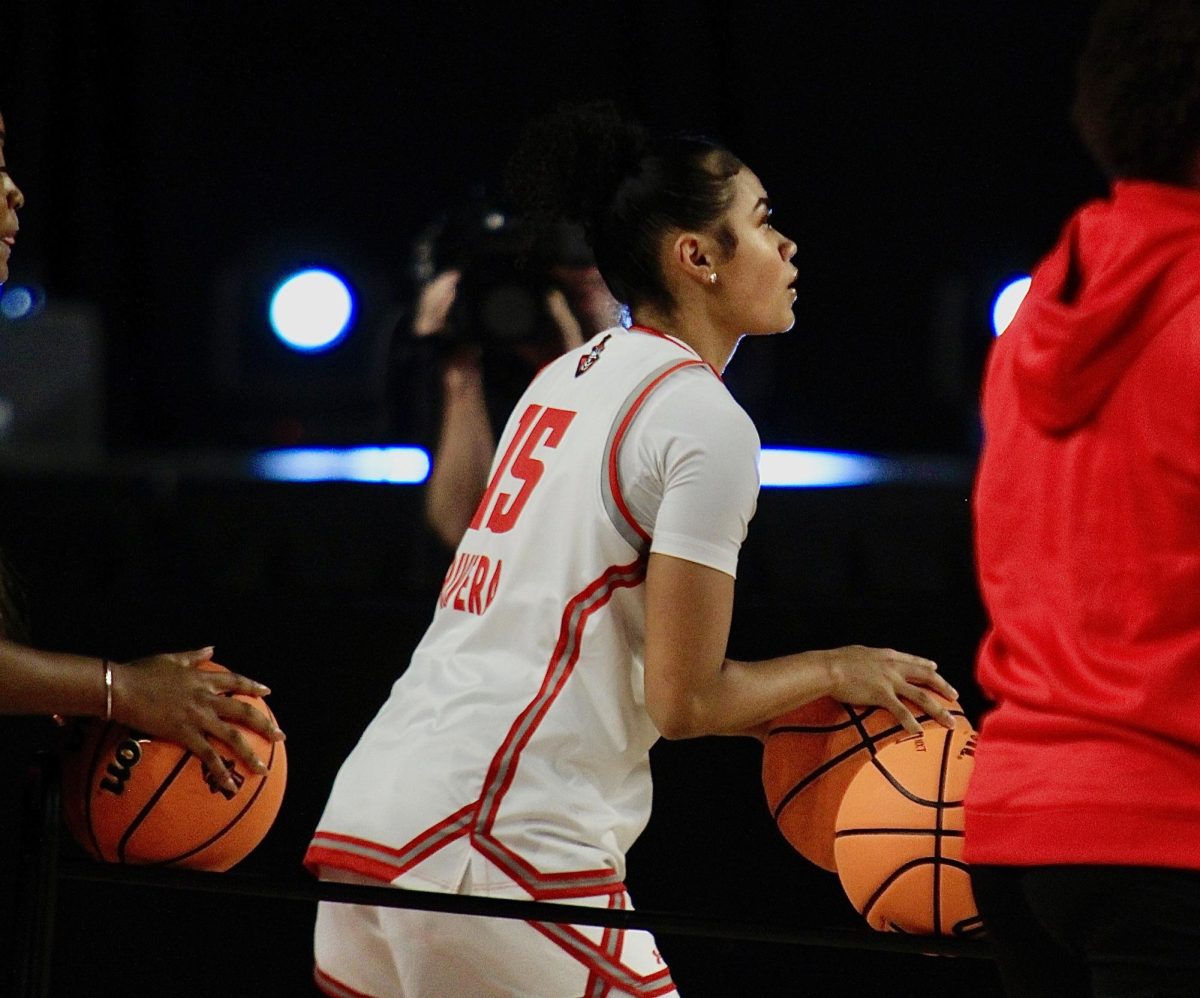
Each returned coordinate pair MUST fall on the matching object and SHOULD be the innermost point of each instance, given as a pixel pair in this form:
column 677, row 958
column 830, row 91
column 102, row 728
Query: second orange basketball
column 900, row 835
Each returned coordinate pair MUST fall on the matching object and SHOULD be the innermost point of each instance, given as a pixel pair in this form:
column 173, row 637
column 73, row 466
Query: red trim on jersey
column 538, row 884
column 591, row 955
column 578, row 609
column 527, row 876
column 611, row 943
column 331, row 986
column 318, row 856
column 613, row 480
column 678, row 342
column 609, row 579
column 618, row 944
column 379, row 869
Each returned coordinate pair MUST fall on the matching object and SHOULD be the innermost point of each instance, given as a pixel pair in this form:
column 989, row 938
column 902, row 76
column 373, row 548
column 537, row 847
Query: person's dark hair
column 1137, row 101
column 587, row 163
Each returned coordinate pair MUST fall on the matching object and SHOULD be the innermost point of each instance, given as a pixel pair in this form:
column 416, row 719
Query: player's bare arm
column 693, row 689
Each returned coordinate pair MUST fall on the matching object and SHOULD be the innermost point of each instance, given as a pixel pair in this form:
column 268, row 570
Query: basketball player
column 163, row 695
column 1083, row 813
column 588, row 607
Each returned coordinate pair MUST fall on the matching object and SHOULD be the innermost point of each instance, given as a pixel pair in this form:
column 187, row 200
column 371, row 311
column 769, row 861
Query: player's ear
column 691, row 257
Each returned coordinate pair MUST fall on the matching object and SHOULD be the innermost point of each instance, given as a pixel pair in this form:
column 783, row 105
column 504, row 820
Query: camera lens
column 509, row 313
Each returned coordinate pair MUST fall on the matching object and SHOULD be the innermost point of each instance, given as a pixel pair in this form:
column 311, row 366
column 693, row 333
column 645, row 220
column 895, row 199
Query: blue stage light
column 778, row 467
column 1007, row 302
column 312, row 310
column 393, row 465
column 20, row 302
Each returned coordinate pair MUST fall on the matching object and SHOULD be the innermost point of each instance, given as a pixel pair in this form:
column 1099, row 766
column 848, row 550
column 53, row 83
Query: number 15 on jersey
column 540, row 429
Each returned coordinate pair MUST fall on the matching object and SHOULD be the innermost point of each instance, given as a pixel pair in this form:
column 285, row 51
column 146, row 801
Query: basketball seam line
column 224, row 830
column 155, row 797
column 868, row 742
column 163, row 788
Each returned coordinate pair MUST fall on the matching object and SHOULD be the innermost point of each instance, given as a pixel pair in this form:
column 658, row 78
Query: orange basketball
column 900, row 836
column 128, row 798
column 811, row 755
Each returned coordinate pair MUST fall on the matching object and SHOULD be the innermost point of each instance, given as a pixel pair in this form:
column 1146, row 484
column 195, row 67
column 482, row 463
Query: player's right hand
column 882, row 677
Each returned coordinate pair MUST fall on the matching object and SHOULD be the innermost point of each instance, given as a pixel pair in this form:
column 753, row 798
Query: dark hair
column 1137, row 103
column 588, row 163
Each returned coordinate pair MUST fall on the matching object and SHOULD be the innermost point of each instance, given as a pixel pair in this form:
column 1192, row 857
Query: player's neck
column 714, row 344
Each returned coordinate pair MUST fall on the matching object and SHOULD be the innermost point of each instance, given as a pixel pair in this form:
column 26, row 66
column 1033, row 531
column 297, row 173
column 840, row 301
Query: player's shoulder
column 693, row 405
column 697, row 385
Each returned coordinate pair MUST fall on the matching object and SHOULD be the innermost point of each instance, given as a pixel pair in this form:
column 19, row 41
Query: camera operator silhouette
column 490, row 312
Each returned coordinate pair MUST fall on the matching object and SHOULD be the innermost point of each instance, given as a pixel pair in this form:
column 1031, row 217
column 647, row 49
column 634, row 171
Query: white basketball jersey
column 518, row 734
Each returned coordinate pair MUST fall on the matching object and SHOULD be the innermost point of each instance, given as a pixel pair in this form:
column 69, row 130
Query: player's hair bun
column 589, row 164
column 570, row 163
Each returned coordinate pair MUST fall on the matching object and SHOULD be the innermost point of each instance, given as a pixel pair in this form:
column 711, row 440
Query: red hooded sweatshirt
column 1087, row 536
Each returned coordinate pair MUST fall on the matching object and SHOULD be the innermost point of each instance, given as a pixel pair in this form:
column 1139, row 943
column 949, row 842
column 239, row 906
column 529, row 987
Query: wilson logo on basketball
column 215, row 788
column 126, row 755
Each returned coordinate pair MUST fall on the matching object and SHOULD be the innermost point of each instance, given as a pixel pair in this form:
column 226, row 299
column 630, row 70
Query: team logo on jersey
column 589, row 358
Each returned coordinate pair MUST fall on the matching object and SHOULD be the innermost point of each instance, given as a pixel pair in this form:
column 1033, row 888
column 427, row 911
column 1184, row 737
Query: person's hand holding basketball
column 161, row 780
column 881, row 677
column 172, row 697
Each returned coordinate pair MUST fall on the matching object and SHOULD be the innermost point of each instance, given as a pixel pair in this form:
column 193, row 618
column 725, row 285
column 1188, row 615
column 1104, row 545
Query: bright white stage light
column 311, row 310
column 809, row 469
column 1007, row 302
column 393, row 465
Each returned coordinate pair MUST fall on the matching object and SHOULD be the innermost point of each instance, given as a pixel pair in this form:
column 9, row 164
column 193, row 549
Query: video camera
column 506, row 276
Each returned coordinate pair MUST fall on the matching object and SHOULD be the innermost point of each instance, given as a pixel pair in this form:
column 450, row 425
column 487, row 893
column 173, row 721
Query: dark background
column 919, row 153
column 175, row 153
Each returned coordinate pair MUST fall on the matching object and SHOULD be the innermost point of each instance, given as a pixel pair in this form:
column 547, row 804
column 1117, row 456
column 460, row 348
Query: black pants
column 1093, row 931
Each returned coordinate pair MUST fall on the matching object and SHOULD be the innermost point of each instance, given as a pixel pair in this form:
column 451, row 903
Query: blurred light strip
column 394, row 465
column 782, row 468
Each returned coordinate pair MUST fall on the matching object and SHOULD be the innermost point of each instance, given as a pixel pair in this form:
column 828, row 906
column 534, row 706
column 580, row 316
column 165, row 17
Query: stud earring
column 712, row 278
